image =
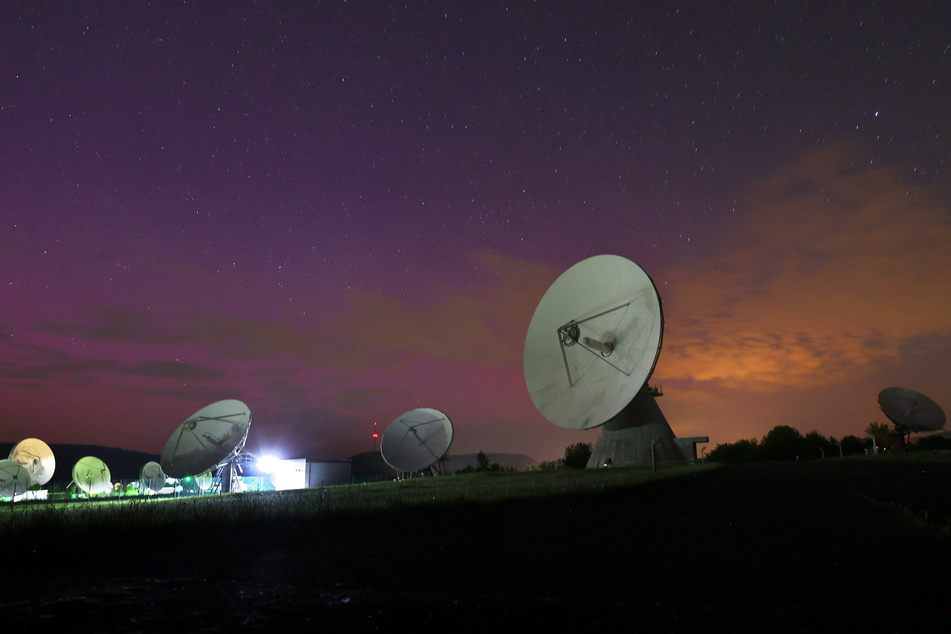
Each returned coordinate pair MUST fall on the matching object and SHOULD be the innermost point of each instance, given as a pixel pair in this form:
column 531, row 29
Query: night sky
column 340, row 212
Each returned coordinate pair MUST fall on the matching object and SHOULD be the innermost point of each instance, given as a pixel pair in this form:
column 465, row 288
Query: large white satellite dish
column 36, row 457
column 591, row 347
column 14, row 479
column 911, row 410
column 417, row 440
column 593, row 342
column 208, row 439
column 152, row 477
column 92, row 475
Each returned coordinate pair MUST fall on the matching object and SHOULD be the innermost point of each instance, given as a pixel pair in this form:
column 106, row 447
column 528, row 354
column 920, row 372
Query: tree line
column 787, row 443
column 576, row 457
column 780, row 443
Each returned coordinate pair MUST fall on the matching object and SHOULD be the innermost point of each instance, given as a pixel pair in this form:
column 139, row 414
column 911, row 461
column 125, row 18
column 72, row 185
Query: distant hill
column 371, row 463
column 510, row 460
column 123, row 464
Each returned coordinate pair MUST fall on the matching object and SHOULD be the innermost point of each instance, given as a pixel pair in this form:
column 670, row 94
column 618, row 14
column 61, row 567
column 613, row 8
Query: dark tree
column 782, row 442
column 933, row 442
column 815, row 445
column 853, row 445
column 483, row 461
column 735, row 452
column 886, row 437
column 576, row 455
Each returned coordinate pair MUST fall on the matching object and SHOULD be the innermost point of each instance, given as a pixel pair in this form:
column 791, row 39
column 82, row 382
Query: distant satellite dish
column 92, row 475
column 14, row 479
column 416, row 440
column 36, row 457
column 205, row 481
column 593, row 342
column 208, row 439
column 911, row 410
column 152, row 477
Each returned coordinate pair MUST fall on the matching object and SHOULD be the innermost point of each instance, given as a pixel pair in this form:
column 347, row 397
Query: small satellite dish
column 92, row 475
column 911, row 410
column 416, row 440
column 205, row 481
column 593, row 342
column 208, row 439
column 152, row 477
column 14, row 479
column 36, row 457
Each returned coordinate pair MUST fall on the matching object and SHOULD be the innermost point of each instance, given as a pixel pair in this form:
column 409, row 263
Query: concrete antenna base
column 641, row 436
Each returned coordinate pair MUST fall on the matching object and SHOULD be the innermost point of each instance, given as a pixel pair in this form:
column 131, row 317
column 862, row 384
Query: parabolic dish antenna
column 207, row 439
column 14, row 479
column 205, row 481
column 416, row 440
column 911, row 410
column 36, row 457
column 593, row 342
column 92, row 475
column 152, row 477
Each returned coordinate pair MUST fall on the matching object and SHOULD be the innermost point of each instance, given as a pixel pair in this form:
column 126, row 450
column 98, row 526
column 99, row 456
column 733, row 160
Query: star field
column 338, row 212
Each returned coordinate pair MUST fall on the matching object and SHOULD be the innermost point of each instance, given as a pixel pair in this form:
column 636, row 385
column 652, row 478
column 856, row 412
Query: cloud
column 356, row 399
column 485, row 324
column 831, row 268
column 30, row 365
column 82, row 365
column 175, row 370
column 109, row 323
column 368, row 356
column 482, row 323
column 254, row 339
column 196, row 394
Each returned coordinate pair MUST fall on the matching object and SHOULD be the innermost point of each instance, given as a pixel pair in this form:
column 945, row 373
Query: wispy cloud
column 484, row 324
column 831, row 268
column 369, row 355
column 175, row 370
column 111, row 323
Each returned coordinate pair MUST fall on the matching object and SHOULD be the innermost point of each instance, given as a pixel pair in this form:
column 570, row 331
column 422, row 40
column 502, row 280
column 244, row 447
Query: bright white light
column 291, row 475
column 269, row 464
column 284, row 474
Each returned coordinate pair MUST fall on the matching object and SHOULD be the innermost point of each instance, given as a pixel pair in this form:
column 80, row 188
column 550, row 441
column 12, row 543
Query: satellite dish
column 593, row 342
column 208, row 439
column 591, row 347
column 152, row 477
column 92, row 475
column 416, row 440
column 14, row 479
column 36, row 457
column 205, row 481
column 911, row 410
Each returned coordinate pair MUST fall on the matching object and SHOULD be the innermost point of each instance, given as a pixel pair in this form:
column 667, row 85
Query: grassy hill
column 785, row 547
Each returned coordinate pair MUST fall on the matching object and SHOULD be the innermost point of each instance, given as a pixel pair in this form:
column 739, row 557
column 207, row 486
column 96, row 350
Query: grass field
column 143, row 512
column 809, row 546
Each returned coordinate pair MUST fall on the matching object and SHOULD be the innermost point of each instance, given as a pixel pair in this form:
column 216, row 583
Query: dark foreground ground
column 796, row 547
